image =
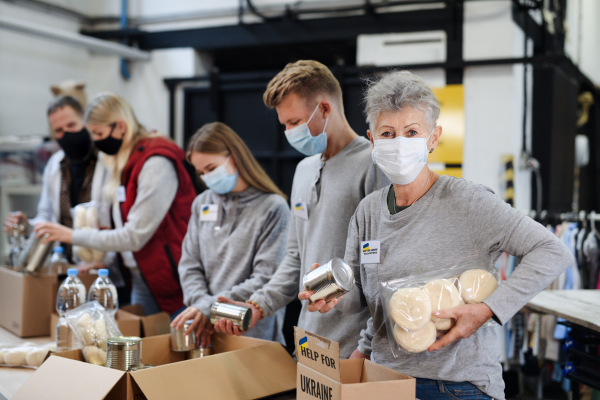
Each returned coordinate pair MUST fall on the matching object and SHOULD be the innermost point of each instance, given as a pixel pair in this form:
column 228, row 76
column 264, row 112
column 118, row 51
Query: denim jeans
column 141, row 294
column 428, row 389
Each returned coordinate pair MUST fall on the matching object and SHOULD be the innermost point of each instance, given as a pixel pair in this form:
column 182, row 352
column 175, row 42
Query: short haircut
column 65, row 101
column 396, row 90
column 306, row 78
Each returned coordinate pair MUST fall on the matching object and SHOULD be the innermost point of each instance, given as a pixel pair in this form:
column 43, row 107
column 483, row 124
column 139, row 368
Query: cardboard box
column 151, row 325
column 27, row 301
column 322, row 375
column 241, row 368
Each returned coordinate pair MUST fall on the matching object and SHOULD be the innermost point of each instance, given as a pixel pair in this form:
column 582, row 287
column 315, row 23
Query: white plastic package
column 85, row 216
column 25, row 355
column 409, row 303
column 93, row 326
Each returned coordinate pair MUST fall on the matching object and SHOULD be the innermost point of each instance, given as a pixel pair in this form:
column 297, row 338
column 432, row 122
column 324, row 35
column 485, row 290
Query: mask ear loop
column 431, row 134
column 313, row 114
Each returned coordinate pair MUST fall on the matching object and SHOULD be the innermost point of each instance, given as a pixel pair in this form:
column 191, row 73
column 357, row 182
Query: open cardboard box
column 27, row 301
column 240, row 368
column 322, row 375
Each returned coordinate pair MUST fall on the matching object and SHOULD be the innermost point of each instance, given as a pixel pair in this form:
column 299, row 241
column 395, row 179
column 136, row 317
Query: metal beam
column 286, row 32
column 73, row 39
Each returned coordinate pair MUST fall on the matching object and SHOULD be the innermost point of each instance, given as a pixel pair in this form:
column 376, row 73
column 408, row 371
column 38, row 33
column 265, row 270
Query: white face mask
column 401, row 159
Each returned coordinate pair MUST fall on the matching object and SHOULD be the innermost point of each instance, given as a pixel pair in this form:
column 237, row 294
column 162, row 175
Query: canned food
column 240, row 316
column 200, row 352
column 124, row 352
column 141, row 367
column 329, row 281
column 181, row 342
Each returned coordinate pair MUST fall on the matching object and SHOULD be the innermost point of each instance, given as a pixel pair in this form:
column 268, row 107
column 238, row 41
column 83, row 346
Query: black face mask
column 76, row 145
column 109, row 145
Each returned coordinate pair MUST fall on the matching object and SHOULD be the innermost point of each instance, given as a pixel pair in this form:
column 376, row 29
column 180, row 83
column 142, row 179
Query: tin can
column 240, row 316
column 200, row 352
column 181, row 342
column 124, row 352
column 141, row 367
column 329, row 281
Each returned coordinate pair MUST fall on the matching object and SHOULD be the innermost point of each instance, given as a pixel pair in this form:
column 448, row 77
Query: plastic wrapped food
column 28, row 355
column 85, row 216
column 409, row 303
column 93, row 326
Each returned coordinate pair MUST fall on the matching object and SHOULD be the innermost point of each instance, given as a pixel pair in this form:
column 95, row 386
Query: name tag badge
column 209, row 212
column 370, row 252
column 300, row 209
column 121, row 194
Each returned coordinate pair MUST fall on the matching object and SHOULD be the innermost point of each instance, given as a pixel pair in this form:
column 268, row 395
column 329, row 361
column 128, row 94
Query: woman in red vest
column 152, row 195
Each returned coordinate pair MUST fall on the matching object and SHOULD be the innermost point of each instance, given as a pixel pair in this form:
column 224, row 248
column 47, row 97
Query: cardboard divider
column 322, row 375
column 243, row 368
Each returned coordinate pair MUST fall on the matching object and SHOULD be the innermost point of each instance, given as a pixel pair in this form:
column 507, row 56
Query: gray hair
column 396, row 90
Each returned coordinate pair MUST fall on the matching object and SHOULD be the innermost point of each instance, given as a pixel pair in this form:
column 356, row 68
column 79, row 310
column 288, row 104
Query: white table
column 11, row 379
column 581, row 307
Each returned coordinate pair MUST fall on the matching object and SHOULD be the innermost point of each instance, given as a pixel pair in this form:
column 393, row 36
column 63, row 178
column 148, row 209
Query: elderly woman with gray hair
column 426, row 222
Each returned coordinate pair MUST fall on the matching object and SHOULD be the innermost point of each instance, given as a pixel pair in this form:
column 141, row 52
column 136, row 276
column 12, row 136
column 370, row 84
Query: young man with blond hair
column 328, row 185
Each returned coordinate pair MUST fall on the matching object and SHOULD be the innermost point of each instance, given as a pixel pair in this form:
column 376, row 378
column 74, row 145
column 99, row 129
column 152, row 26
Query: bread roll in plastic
column 35, row 357
column 94, row 355
column 415, row 341
column 476, row 285
column 443, row 294
column 91, row 217
column 410, row 308
column 15, row 357
column 79, row 218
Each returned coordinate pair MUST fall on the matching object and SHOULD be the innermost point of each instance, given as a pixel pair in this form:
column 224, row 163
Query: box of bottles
column 243, row 368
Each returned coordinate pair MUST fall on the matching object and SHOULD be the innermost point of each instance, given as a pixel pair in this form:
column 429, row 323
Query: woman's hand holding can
column 226, row 326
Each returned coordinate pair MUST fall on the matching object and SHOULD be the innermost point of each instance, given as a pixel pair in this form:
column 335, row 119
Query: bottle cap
column 72, row 272
column 59, row 249
column 103, row 272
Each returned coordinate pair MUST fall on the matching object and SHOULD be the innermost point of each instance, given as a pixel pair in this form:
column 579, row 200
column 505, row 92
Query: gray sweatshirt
column 157, row 187
column 236, row 255
column 455, row 222
column 332, row 190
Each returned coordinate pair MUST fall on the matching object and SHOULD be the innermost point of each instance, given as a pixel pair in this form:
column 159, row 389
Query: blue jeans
column 141, row 294
column 428, row 389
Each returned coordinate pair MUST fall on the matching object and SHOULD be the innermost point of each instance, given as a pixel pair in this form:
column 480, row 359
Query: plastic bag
column 85, row 216
column 27, row 355
column 92, row 326
column 408, row 303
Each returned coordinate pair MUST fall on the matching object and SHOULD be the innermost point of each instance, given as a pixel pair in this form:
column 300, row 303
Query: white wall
column 494, row 99
column 28, row 66
column 582, row 42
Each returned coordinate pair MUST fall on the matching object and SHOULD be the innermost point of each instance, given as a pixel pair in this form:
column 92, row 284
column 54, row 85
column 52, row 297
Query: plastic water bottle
column 58, row 262
column 71, row 294
column 105, row 292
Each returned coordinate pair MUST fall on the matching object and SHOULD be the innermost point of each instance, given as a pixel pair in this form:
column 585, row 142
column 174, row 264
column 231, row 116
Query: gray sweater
column 455, row 222
column 332, row 190
column 237, row 254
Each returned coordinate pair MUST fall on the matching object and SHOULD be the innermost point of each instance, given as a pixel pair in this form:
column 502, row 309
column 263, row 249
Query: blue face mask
column 301, row 139
column 219, row 181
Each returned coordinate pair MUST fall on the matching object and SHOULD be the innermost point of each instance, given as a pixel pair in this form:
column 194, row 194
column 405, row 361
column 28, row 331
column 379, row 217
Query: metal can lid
column 124, row 341
column 343, row 275
column 187, row 323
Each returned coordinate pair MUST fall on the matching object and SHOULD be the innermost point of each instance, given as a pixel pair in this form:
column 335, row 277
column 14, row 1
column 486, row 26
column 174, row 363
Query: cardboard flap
column 156, row 350
column 85, row 381
column 318, row 353
column 249, row 373
column 134, row 309
column 156, row 324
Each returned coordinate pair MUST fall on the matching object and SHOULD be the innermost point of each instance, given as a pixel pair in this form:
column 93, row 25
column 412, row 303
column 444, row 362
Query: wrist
column 256, row 308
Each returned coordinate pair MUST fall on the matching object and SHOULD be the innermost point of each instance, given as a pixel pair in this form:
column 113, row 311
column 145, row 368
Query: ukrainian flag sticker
column 365, row 247
column 298, row 206
column 205, row 210
column 303, row 343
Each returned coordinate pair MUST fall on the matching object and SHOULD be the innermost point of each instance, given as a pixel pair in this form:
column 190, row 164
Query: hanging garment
column 590, row 249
